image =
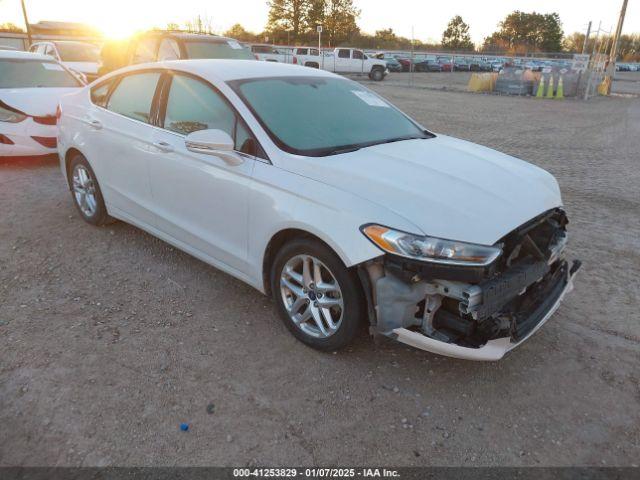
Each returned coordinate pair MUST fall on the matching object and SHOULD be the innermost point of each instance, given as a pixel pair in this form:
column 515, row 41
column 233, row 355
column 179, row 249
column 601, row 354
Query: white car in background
column 31, row 86
column 80, row 57
column 317, row 191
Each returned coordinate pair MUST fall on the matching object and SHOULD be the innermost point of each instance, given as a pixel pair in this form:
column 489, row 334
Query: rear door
column 198, row 198
column 120, row 136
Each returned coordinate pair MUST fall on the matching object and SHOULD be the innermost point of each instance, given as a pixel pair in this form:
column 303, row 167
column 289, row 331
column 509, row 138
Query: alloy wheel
column 84, row 190
column 312, row 296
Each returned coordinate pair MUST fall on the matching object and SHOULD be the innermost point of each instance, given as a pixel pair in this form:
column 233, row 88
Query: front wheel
column 376, row 74
column 319, row 299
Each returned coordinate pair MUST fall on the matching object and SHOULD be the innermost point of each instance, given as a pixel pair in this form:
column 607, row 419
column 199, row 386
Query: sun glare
column 115, row 24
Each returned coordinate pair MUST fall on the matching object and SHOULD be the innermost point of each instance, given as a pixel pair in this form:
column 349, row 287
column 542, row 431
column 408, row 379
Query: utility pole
column 586, row 38
column 611, row 68
column 26, row 22
column 319, row 29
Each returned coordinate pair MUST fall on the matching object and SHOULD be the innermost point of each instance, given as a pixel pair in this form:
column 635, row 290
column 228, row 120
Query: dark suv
column 158, row 45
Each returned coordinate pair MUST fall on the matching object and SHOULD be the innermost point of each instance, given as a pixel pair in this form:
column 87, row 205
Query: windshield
column 78, row 52
column 20, row 73
column 225, row 49
column 318, row 116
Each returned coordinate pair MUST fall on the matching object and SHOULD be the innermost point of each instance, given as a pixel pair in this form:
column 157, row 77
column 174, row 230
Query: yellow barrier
column 482, row 82
column 603, row 87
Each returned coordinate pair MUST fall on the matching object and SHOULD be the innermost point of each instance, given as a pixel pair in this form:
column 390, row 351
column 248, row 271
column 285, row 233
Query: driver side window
column 193, row 105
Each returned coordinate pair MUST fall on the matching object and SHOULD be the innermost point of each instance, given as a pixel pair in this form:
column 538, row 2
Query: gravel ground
column 111, row 338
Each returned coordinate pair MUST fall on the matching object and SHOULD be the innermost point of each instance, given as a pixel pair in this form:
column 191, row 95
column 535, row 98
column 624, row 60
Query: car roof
column 227, row 70
column 15, row 54
column 70, row 42
column 185, row 35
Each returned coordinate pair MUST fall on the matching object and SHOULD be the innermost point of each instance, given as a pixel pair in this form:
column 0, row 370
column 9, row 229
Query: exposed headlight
column 11, row 116
column 430, row 249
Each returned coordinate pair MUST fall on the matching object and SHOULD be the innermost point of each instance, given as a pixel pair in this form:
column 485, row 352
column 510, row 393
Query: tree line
column 295, row 22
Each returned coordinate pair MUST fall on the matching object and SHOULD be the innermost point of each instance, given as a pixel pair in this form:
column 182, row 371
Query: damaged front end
column 473, row 312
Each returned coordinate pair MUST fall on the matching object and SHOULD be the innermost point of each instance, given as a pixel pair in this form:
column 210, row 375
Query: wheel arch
column 279, row 238
column 69, row 154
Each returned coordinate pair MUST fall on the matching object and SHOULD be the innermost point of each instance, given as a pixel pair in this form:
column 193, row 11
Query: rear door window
column 344, row 53
column 99, row 94
column 133, row 96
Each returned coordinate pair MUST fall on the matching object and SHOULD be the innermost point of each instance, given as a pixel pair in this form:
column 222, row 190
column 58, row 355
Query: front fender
column 283, row 200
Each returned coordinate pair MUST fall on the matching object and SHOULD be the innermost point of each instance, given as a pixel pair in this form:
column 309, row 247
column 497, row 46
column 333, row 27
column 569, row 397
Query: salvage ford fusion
column 317, row 191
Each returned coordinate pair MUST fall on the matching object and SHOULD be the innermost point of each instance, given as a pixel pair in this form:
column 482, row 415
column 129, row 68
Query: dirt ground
column 109, row 338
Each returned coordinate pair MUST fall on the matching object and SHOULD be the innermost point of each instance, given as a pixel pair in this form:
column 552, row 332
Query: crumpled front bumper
column 493, row 350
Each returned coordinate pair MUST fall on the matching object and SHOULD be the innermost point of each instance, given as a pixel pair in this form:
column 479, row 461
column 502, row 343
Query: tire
column 312, row 65
column 377, row 75
column 86, row 193
column 305, row 298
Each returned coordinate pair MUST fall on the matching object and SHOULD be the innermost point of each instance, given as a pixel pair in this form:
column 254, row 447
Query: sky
column 427, row 19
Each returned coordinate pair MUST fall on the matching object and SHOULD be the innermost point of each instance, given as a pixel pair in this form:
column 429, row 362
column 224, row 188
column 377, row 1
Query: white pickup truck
column 341, row 60
column 269, row 53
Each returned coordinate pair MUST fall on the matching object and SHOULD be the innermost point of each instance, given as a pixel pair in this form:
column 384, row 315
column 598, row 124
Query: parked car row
column 628, row 67
column 421, row 63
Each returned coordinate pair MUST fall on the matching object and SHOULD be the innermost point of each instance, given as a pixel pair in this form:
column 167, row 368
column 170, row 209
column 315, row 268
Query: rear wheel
column 86, row 192
column 319, row 299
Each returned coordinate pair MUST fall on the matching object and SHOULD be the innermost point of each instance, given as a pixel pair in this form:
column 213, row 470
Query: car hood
column 446, row 187
column 37, row 102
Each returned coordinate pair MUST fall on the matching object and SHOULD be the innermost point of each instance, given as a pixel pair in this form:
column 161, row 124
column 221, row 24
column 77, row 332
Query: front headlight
column 11, row 116
column 430, row 249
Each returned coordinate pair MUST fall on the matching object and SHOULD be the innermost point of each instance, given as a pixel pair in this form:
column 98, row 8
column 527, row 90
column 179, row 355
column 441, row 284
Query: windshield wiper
column 401, row 139
column 338, row 151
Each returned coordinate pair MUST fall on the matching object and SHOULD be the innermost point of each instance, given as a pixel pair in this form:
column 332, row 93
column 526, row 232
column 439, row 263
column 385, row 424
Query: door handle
column 93, row 123
column 163, row 147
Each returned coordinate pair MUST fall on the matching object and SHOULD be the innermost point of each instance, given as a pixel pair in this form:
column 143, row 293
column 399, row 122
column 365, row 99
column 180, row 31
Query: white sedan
column 31, row 86
column 317, row 191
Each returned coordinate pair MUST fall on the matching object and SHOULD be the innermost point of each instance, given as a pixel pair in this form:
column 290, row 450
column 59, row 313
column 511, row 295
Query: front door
column 199, row 199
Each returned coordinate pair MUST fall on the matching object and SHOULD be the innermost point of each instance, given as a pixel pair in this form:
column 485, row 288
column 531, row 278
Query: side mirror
column 213, row 142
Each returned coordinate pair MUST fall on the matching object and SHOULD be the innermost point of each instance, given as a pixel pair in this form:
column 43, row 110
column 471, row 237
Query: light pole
column 26, row 22
column 586, row 38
